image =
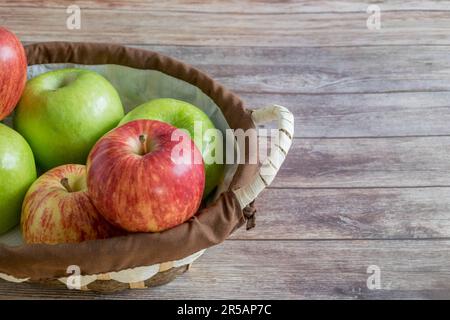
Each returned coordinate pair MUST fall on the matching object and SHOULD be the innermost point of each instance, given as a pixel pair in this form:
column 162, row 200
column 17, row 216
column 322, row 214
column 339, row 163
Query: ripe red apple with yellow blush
column 137, row 181
column 57, row 209
column 13, row 71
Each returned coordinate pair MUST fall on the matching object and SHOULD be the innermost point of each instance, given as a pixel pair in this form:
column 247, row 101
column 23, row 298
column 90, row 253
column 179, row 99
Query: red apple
column 13, row 71
column 57, row 209
column 137, row 184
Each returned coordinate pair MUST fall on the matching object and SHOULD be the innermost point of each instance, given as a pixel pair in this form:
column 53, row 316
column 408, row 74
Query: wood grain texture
column 324, row 70
column 392, row 213
column 135, row 26
column 238, row 7
column 367, row 162
column 362, row 115
column 294, row 270
column 384, row 99
column 367, row 180
column 372, row 91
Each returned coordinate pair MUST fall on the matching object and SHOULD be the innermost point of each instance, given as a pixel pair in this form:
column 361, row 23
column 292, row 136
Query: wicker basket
column 145, row 260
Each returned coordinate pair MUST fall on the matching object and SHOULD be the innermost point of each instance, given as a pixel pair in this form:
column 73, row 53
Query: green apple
column 62, row 114
column 17, row 173
column 184, row 115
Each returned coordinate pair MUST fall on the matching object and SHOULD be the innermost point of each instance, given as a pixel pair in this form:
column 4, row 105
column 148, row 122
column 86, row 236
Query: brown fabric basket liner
column 210, row 226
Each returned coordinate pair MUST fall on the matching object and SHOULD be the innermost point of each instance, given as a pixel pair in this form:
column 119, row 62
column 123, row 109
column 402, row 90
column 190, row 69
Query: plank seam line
column 357, row 188
column 375, row 137
column 281, row 93
column 148, row 44
column 356, row 12
column 156, row 44
column 283, row 47
column 342, row 239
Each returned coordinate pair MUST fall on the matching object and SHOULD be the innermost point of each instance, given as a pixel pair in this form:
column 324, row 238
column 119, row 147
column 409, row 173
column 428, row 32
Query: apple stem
column 65, row 183
column 144, row 143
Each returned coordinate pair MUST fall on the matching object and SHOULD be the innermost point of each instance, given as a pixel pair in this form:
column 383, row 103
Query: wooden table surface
column 367, row 181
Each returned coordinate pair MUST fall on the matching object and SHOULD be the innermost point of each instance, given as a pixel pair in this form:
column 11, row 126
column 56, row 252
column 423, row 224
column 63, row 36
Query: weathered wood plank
column 239, row 7
column 295, row 270
column 362, row 115
column 321, row 70
column 334, row 91
column 378, row 162
column 187, row 28
column 396, row 213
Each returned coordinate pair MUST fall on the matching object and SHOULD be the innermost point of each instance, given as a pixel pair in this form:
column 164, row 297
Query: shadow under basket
column 144, row 260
